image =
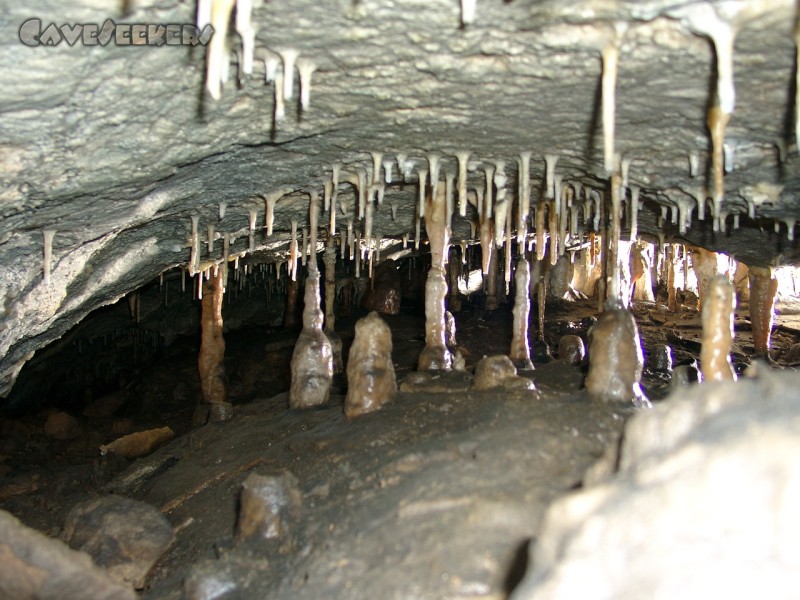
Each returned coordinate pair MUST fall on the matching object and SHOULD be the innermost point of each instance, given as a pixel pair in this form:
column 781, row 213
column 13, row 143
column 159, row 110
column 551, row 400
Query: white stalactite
column 609, row 84
column 487, row 198
column 422, row 175
column 550, row 161
column 377, row 161
column 463, row 158
column 245, row 29
column 305, row 68
column 252, row 214
column 634, row 213
column 288, row 56
column 524, row 199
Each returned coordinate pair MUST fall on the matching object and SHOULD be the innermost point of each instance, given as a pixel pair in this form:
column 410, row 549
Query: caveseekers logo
column 32, row 33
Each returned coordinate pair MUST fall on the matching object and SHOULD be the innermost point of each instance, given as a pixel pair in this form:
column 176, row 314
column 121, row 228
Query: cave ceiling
column 114, row 148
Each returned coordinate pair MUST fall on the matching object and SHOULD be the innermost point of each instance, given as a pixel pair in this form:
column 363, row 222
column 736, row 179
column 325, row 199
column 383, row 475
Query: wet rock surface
column 123, row 536
column 703, row 503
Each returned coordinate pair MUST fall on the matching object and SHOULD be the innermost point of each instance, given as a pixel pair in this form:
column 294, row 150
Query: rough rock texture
column 267, row 506
column 114, row 148
column 704, row 504
column 36, row 566
column 615, row 358
column 370, row 372
column 124, row 536
column 571, row 349
column 384, row 296
column 494, row 372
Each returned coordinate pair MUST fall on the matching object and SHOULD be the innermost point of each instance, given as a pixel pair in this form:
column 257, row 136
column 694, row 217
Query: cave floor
column 434, row 496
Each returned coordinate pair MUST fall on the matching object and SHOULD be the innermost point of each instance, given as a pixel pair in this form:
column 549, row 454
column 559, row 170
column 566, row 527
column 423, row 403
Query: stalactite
column 468, row 11
column 562, row 219
column 449, row 182
column 245, row 29
column 422, row 175
column 434, row 163
column 387, row 171
column 501, row 203
column 490, row 281
column 763, row 290
column 377, row 159
column 463, row 159
column 279, row 110
column 402, row 166
column 304, row 247
column 507, row 253
column 271, row 62
column 293, row 252
column 488, row 190
column 485, row 233
column 269, row 205
column 524, row 198
column 700, row 199
column 305, row 68
column 211, row 360
column 288, row 56
column 539, row 217
column 609, row 84
column 717, row 315
column 520, row 353
column 194, row 258
column 350, row 240
column 48, row 235
column 211, row 238
column 672, row 298
column 552, row 227
column 216, row 55
column 252, row 214
column 634, row 213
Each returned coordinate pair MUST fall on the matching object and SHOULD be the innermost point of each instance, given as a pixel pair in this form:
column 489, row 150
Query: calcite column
column 329, row 259
column 706, row 268
column 211, row 361
column 520, row 353
column 717, row 314
column 491, row 280
column 641, row 272
column 435, row 355
column 763, row 289
column 312, row 360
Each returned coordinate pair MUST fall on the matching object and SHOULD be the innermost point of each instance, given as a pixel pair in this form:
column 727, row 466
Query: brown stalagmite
column 763, row 289
column 705, row 265
column 718, row 306
column 435, row 355
column 615, row 358
column 641, row 272
column 520, row 353
column 211, row 362
column 370, row 372
column 292, row 292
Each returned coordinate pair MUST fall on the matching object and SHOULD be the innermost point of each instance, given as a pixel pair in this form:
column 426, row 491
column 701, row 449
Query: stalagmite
column 463, row 158
column 211, row 361
column 435, row 355
column 763, row 290
column 615, row 358
column 279, row 111
column 520, row 353
column 494, row 372
column 306, row 68
column 370, row 372
column 706, row 266
column 47, row 235
column 524, row 199
column 245, row 29
column 717, row 314
column 609, row 84
column 216, row 54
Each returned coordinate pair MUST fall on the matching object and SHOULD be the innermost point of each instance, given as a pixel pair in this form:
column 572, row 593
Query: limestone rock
column 571, row 349
column 705, row 504
column 36, row 567
column 267, row 506
column 498, row 372
column 384, row 295
column 138, row 444
column 62, row 426
column 124, row 536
